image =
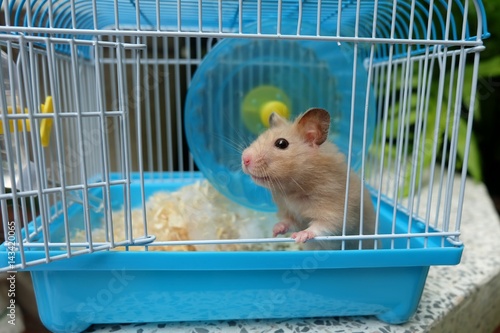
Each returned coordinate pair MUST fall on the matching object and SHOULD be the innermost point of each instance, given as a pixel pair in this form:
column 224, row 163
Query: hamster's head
column 287, row 151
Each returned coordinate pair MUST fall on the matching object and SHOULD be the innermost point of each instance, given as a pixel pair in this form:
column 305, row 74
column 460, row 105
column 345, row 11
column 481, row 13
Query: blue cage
column 121, row 128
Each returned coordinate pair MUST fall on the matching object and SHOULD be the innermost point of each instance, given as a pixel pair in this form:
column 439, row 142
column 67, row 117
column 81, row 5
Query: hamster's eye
column 281, row 143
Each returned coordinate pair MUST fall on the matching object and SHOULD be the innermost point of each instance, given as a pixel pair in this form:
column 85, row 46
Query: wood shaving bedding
column 194, row 212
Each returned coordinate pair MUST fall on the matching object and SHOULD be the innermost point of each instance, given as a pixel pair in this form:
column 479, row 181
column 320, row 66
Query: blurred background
column 487, row 116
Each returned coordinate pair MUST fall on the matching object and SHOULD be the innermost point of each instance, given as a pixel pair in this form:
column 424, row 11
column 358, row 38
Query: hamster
column 307, row 177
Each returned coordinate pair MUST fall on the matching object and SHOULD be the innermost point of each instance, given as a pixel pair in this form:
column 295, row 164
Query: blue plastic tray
column 121, row 287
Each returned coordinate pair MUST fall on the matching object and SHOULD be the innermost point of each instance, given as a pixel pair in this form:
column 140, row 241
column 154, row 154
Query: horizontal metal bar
column 69, row 41
column 36, row 262
column 430, row 55
column 149, row 61
column 151, row 33
column 253, row 240
column 64, row 114
column 58, row 189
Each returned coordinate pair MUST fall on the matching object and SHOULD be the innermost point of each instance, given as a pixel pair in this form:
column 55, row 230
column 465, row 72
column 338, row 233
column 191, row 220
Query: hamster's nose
column 246, row 159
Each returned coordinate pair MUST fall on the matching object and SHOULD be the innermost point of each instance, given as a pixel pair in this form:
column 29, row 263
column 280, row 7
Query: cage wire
column 93, row 95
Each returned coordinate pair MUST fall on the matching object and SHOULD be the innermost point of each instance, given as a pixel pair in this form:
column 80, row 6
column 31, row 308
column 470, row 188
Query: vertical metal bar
column 73, row 14
column 115, row 104
column 217, row 119
column 351, row 129
column 124, row 138
column 34, row 71
column 445, row 143
column 28, row 183
column 423, row 150
column 157, row 114
column 470, row 120
column 299, row 18
column 117, row 16
column 240, row 130
column 279, row 15
column 51, row 13
column 94, row 15
column 437, row 124
column 158, row 15
column 6, row 14
column 416, row 141
column 378, row 84
column 406, row 99
column 137, row 5
column 219, row 15
column 365, row 125
column 99, row 89
column 384, row 126
column 240, row 16
column 454, row 139
column 44, row 205
column 339, row 18
column 147, row 105
column 178, row 106
column 420, row 121
column 168, row 98
column 188, row 74
column 81, row 142
column 198, row 62
column 29, row 139
column 179, row 15
column 138, row 120
column 200, row 15
column 393, row 111
column 318, row 18
column 259, row 16
column 210, row 103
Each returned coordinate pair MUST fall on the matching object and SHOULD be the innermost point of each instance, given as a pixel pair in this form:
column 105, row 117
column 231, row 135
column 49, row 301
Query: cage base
column 107, row 287
column 71, row 301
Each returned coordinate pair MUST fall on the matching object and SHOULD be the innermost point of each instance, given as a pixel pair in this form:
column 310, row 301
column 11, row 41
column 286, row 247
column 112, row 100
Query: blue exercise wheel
column 241, row 81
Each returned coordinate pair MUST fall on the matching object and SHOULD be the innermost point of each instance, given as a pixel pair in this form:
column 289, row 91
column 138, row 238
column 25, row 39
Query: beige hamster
column 307, row 177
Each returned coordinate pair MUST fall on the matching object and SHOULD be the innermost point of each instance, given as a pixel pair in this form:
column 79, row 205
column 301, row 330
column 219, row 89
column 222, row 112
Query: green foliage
column 438, row 104
column 436, row 119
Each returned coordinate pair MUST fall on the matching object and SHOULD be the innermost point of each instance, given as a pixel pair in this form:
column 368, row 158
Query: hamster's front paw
column 303, row 236
column 280, row 228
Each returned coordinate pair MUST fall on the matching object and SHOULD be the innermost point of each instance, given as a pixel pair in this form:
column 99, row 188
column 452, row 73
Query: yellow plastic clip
column 45, row 125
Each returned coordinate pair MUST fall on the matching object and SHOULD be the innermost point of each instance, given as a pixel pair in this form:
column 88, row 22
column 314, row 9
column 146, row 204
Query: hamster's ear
column 314, row 125
column 276, row 120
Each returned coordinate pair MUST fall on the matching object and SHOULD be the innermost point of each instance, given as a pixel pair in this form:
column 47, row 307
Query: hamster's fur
column 307, row 177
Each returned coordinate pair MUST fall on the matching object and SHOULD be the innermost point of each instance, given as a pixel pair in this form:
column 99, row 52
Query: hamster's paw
column 303, row 236
column 280, row 228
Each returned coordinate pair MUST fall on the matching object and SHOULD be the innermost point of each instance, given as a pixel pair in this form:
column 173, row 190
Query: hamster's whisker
column 271, row 180
column 293, row 179
column 245, row 142
column 265, row 152
column 280, row 186
column 282, row 189
column 234, row 167
column 235, row 145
